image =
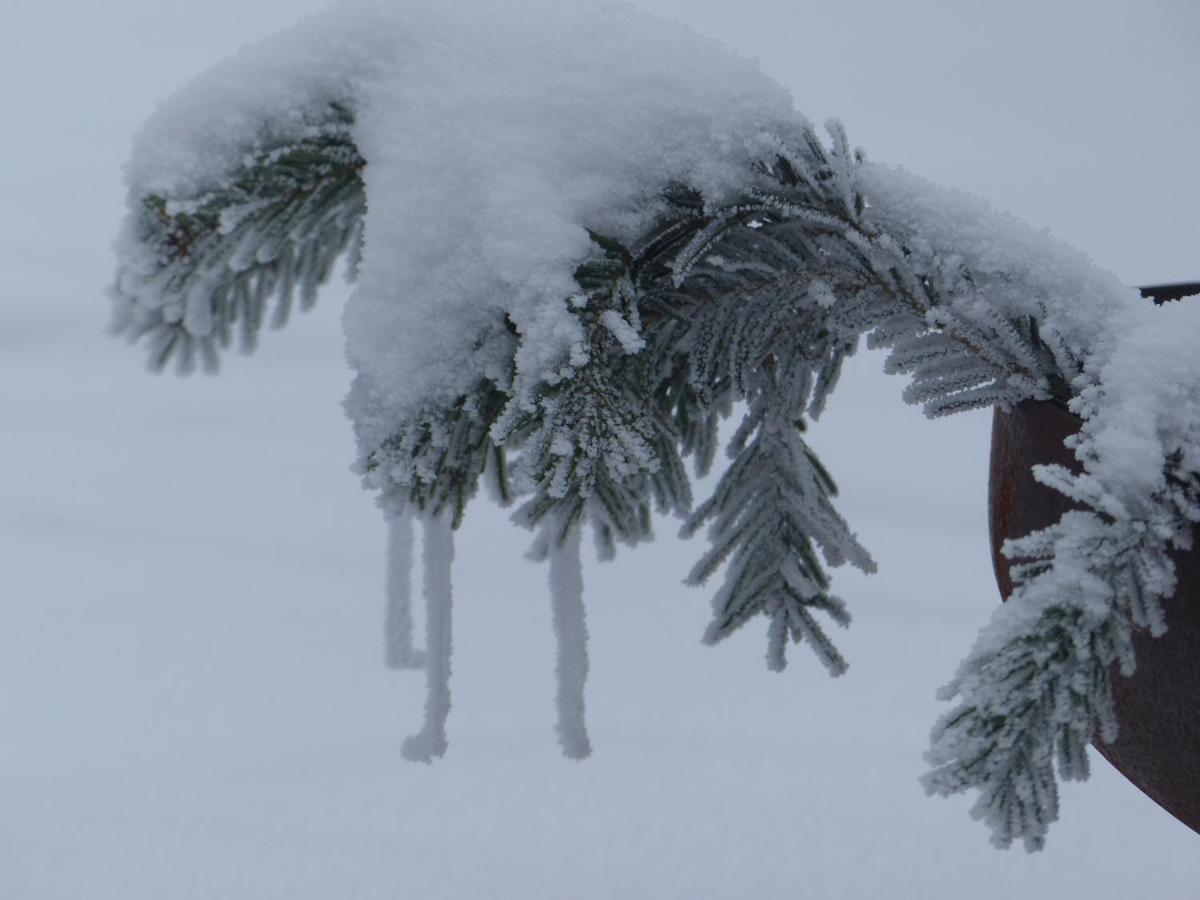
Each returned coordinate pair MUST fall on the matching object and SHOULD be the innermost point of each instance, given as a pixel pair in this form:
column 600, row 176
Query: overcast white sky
column 191, row 700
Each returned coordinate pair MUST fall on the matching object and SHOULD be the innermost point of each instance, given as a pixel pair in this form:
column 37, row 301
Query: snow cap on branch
column 492, row 134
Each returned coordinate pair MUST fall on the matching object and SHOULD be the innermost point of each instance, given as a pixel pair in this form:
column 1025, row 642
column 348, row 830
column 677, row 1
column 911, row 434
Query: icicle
column 570, row 627
column 777, row 635
column 430, row 742
column 398, row 650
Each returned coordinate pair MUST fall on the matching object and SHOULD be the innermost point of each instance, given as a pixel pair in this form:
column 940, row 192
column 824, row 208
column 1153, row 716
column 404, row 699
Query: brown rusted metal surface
column 1158, row 707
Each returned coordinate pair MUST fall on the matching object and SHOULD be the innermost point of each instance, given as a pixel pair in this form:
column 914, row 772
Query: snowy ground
column 194, row 703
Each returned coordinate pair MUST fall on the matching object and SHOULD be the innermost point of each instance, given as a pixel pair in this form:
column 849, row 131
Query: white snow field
column 194, row 701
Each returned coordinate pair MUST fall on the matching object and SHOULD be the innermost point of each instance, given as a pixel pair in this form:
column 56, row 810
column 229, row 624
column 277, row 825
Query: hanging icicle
column 570, row 627
column 398, row 649
column 438, row 555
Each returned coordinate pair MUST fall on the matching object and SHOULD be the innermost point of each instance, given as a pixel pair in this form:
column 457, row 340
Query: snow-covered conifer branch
column 592, row 444
column 1038, row 685
column 771, row 506
column 582, row 299
column 435, row 462
column 197, row 267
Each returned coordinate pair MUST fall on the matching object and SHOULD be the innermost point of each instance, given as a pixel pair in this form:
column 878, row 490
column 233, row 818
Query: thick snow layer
column 494, row 134
column 270, row 91
column 1148, row 405
column 504, row 132
column 1020, row 270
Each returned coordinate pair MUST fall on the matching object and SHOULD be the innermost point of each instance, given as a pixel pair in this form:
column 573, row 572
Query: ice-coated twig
column 570, row 627
column 430, row 742
column 398, row 649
